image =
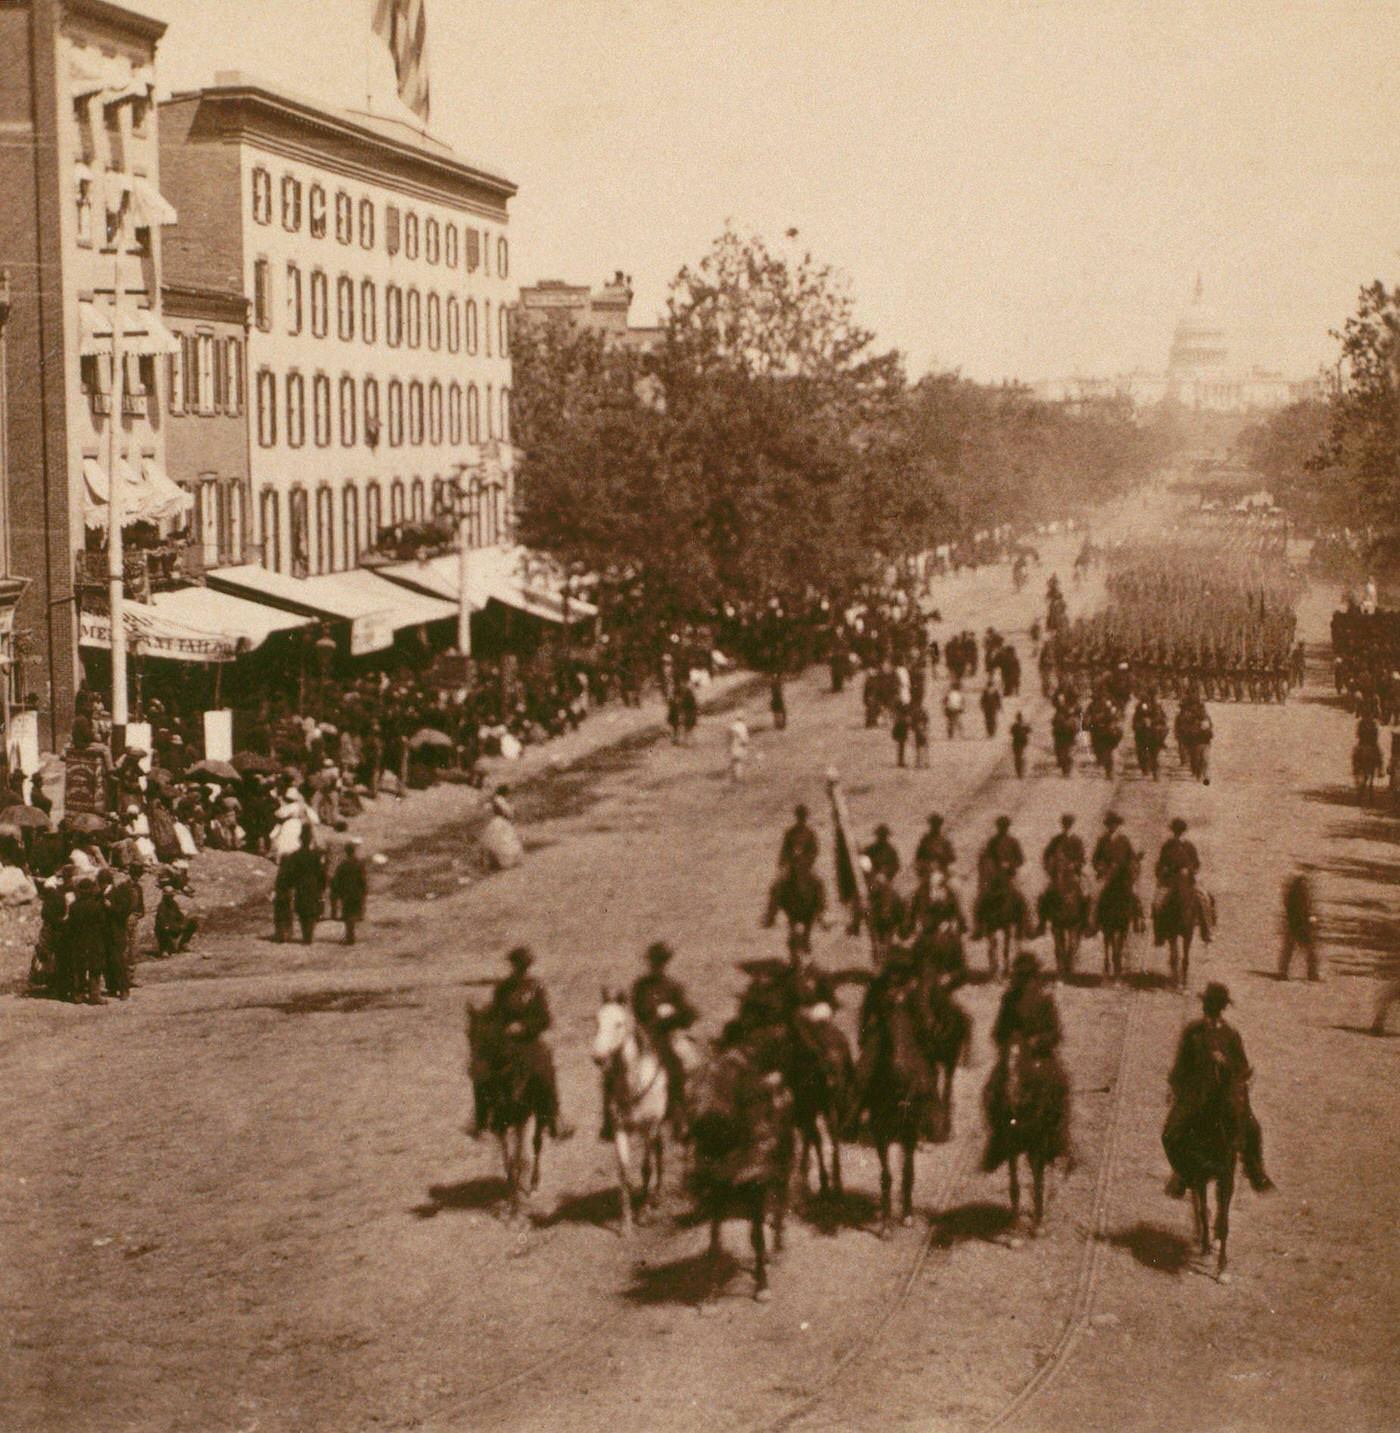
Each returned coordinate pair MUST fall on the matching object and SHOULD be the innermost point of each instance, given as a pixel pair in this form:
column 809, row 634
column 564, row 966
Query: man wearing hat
column 1028, row 1017
column 897, row 984
column 661, row 1007
column 883, row 858
column 1064, row 851
column 997, row 868
column 796, row 857
column 84, row 940
column 1178, row 860
column 350, row 887
column 934, row 848
column 1113, row 850
column 1212, row 1040
column 519, row 1013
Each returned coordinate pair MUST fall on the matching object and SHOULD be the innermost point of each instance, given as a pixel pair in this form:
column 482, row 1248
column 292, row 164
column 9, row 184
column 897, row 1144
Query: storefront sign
column 85, row 785
column 149, row 636
column 371, row 633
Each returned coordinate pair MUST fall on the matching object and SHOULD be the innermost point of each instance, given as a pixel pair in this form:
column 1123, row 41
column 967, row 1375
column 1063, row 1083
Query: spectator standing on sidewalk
column 953, row 709
column 1020, row 740
column 1299, row 926
column 350, row 888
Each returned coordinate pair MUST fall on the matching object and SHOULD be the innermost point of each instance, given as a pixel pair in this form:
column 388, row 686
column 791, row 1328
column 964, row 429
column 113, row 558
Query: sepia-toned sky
column 1015, row 189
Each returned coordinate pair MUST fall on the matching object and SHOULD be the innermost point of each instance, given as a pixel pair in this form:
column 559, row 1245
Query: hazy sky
column 1013, row 188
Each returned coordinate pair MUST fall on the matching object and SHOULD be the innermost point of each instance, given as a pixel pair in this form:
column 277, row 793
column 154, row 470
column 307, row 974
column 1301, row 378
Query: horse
column 1366, row 765
column 636, row 1091
column 1179, row 912
column 902, row 1085
column 1116, row 912
column 1001, row 918
column 514, row 1093
column 1026, row 1104
column 818, row 1070
column 1204, row 1148
column 741, row 1127
column 801, row 896
column 1065, row 909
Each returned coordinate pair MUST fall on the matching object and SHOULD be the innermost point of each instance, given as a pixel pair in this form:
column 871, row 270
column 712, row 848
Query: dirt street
column 243, row 1200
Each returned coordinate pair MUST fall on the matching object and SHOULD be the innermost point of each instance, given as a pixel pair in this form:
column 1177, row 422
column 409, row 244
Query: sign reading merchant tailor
column 154, row 637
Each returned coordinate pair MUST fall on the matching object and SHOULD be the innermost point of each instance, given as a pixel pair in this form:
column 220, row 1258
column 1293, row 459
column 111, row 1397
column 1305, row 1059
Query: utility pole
column 116, row 576
column 464, row 607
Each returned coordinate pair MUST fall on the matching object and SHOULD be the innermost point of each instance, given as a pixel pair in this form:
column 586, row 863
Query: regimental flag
column 403, row 26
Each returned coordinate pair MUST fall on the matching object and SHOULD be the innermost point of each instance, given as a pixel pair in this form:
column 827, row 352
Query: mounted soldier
column 1063, row 864
column 662, row 1008
column 934, row 848
column 997, row 869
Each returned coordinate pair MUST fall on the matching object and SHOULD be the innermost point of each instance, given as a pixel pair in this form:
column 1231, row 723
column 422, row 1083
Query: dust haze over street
column 245, row 1199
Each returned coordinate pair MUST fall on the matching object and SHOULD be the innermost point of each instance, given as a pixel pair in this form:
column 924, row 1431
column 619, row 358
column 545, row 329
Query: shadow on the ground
column 1331, row 796
column 600, row 1207
column 484, row 1192
column 975, row 1221
column 690, row 1280
column 338, row 1002
column 829, row 1214
column 1370, row 1031
column 1156, row 1248
column 1358, row 868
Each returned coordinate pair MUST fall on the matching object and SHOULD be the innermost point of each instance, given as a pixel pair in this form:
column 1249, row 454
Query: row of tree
column 764, row 446
column 1333, row 461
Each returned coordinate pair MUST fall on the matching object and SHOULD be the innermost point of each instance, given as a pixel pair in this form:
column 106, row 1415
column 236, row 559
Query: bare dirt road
column 243, row 1200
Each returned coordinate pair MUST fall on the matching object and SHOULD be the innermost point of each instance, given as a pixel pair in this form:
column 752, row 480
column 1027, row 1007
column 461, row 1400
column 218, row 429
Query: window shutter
column 473, row 251
column 220, row 381
column 177, row 379
column 391, row 228
column 189, row 354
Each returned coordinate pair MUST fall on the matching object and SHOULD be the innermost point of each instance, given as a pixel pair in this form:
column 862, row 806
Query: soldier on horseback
column 934, row 848
column 518, row 1016
column 1063, row 858
column 661, row 1007
column 1212, row 1040
column 1178, row 864
column 997, row 868
column 796, row 888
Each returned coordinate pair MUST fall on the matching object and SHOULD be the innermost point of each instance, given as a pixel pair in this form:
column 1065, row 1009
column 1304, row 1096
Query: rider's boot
column 1252, row 1157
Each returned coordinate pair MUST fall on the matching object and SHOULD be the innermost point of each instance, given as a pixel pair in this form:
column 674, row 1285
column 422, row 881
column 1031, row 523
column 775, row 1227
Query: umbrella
column 22, row 815
column 213, row 771
column 255, row 762
column 426, row 736
column 158, row 774
column 87, row 823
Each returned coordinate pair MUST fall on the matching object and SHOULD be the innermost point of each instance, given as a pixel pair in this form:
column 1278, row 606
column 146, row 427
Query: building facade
column 606, row 309
column 80, row 229
column 376, row 264
column 206, row 443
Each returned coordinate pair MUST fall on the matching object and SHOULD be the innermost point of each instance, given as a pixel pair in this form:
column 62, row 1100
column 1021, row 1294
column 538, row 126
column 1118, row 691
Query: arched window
column 316, row 211
column 410, row 235
column 471, row 326
column 415, row 412
column 434, row 322
column 296, row 410
column 320, row 303
column 374, row 514
column 502, row 257
column 505, row 415
column 454, row 325
column 416, row 496
column 454, row 413
column 350, row 524
column 325, row 529
column 450, row 252
column 431, row 243
column 396, row 505
column 270, row 525
column 293, row 299
column 414, row 319
column 372, row 412
column 345, row 308
column 435, row 412
column 366, row 223
column 347, row 411
column 344, row 217
column 368, row 325
column 393, row 315
column 267, row 407
column 262, row 197
column 395, row 414
column 503, row 323
column 321, row 410
column 473, row 414
column 300, row 533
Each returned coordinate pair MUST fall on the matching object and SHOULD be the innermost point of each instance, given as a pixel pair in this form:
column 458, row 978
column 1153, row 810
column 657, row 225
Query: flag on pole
column 403, row 26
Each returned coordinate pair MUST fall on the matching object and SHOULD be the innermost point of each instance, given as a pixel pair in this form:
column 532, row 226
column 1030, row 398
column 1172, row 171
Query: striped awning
column 142, row 331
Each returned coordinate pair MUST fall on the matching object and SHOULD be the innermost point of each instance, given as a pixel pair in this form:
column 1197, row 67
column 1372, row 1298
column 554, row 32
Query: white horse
column 636, row 1091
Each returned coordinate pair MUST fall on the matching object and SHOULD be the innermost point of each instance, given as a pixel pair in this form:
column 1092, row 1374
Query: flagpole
column 369, row 37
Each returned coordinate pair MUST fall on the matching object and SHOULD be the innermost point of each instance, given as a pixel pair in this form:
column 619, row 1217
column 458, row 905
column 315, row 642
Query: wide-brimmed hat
column 1025, row 964
column 1178, row 826
column 1112, row 818
column 1215, row 997
column 1003, row 823
column 1067, row 819
column 659, row 953
column 520, row 957
column 882, row 830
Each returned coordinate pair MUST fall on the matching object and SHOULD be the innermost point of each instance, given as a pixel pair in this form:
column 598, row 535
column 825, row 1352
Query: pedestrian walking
column 777, row 702
column 919, row 724
column 990, row 702
column 738, row 749
column 953, row 710
column 84, row 942
column 301, row 882
column 899, row 730
column 690, row 713
column 350, row 888
column 1299, row 926
column 1020, row 740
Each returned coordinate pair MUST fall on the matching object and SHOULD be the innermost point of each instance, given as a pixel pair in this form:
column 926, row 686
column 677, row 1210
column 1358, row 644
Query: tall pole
column 116, row 598
column 464, row 607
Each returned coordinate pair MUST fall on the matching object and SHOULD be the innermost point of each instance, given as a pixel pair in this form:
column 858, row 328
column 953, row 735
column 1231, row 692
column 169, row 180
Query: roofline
column 195, row 301
column 303, row 111
column 146, row 26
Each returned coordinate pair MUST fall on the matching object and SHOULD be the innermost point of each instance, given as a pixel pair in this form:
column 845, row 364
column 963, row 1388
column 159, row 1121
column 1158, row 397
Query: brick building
column 376, row 263
column 606, row 309
column 81, row 223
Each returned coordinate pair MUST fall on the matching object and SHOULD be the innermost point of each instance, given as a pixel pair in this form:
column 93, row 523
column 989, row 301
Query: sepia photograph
column 701, row 716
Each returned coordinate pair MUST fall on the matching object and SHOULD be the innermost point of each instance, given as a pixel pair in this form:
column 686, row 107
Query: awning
column 509, row 575
column 142, row 331
column 147, row 496
column 149, row 206
column 336, row 596
column 406, row 608
column 191, row 624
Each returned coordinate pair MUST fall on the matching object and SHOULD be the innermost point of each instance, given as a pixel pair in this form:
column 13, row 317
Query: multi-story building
column 606, row 309
column 206, row 441
column 377, row 263
column 80, row 225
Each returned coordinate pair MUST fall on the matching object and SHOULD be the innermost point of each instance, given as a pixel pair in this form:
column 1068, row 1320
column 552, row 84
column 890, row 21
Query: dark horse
column 1116, row 912
column 1027, row 1108
column 1181, row 910
column 1001, row 915
column 817, row 1067
column 1065, row 909
column 741, row 1126
column 513, row 1092
column 1203, row 1139
column 801, row 897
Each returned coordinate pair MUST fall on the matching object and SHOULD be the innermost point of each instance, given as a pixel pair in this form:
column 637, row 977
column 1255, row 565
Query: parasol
column 256, row 763
column 213, row 771
column 426, row 736
column 23, row 816
column 88, row 823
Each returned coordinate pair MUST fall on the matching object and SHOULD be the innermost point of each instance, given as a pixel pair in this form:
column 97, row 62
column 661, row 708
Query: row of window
column 331, row 545
column 414, row 412
column 138, row 382
column 410, row 318
column 206, row 375
column 441, row 243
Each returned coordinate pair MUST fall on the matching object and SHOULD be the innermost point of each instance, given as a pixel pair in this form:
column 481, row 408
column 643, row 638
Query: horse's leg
column 623, row 1150
column 539, row 1151
column 660, row 1150
column 909, row 1143
column 760, row 1252
column 1201, row 1212
column 1186, row 958
column 823, row 1181
column 833, row 1129
column 508, row 1163
column 883, row 1147
column 1174, row 946
column 1037, row 1163
column 1224, row 1193
column 1014, row 1176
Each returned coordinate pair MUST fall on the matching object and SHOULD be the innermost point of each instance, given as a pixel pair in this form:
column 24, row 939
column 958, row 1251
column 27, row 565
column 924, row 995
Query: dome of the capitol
column 1200, row 340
